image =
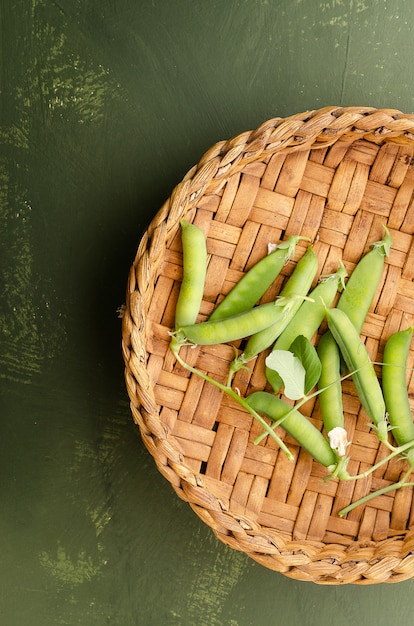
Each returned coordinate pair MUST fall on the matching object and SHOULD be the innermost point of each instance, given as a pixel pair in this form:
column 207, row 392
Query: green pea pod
column 357, row 297
column 251, row 287
column 363, row 282
column 308, row 318
column 357, row 360
column 329, row 384
column 231, row 328
column 296, row 424
column 312, row 311
column 294, row 292
column 194, row 274
column 395, row 388
column 355, row 301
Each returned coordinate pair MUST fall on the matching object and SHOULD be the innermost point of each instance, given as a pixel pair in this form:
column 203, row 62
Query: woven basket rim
column 364, row 561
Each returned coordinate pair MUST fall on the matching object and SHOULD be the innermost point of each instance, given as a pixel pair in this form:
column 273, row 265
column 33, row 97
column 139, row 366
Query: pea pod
column 395, row 388
column 296, row 424
column 194, row 274
column 312, row 311
column 251, row 287
column 308, row 318
column 230, row 328
column 294, row 291
column 363, row 282
column 329, row 384
column 357, row 360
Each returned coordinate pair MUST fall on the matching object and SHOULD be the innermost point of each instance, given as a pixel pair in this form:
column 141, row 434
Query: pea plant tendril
column 175, row 348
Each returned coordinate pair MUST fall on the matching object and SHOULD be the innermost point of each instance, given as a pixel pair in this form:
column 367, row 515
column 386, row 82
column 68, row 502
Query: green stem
column 339, row 470
column 175, row 347
column 232, row 372
column 380, row 492
column 394, row 453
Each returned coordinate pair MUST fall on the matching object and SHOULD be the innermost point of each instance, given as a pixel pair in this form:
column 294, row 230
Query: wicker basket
column 334, row 175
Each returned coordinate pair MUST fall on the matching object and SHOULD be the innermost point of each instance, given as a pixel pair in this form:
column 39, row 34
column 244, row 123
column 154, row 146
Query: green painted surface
column 104, row 106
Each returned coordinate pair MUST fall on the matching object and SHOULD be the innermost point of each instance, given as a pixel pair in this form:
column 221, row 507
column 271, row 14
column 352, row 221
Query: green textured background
column 104, row 106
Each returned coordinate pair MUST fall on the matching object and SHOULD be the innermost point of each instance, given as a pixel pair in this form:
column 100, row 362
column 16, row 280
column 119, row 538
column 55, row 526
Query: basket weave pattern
column 334, row 175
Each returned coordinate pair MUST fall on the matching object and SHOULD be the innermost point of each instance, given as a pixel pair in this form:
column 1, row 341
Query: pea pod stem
column 175, row 348
column 380, row 492
column 396, row 452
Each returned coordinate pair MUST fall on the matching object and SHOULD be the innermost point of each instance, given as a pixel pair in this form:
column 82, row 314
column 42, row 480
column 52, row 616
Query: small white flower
column 338, row 440
column 271, row 247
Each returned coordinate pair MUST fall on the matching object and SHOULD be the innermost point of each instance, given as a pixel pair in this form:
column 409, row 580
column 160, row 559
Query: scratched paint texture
column 103, row 108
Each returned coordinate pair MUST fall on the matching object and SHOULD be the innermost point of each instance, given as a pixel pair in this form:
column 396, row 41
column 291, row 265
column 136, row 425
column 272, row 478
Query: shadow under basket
column 334, row 175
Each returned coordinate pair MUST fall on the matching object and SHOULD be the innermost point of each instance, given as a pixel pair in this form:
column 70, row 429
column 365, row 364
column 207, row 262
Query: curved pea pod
column 296, row 424
column 251, row 287
column 295, row 290
column 231, row 328
column 194, row 274
column 363, row 282
column 309, row 317
column 357, row 360
column 395, row 388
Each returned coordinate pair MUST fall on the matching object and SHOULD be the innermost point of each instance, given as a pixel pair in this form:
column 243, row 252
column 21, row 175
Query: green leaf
column 291, row 371
column 303, row 349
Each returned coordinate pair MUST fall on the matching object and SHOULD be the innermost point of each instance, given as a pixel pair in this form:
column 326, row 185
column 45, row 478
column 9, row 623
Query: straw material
column 334, row 175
